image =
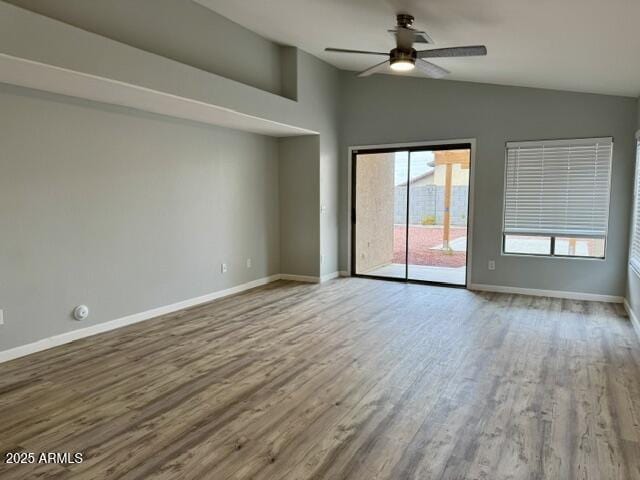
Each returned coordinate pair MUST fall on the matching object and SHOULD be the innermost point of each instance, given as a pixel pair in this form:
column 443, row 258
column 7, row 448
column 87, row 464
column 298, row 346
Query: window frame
column 552, row 246
column 633, row 262
column 552, row 238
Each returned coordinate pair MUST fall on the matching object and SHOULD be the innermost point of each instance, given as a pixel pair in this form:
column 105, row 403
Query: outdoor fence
column 427, row 205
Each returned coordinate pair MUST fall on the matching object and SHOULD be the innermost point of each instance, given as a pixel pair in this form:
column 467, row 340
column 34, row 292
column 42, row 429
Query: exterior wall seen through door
column 375, row 209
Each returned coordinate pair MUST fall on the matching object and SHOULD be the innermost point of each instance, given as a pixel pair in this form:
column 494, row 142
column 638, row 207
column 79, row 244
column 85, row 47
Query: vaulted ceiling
column 579, row 45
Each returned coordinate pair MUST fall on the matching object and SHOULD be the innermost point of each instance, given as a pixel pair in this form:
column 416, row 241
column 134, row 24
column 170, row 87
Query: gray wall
column 313, row 82
column 317, row 86
column 299, row 205
column 181, row 30
column 320, row 94
column 124, row 211
column 130, row 166
column 383, row 109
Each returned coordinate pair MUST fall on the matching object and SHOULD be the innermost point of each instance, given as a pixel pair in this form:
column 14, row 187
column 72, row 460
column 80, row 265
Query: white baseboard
column 594, row 297
column 299, row 278
column 632, row 316
column 344, row 273
column 329, row 276
column 67, row 337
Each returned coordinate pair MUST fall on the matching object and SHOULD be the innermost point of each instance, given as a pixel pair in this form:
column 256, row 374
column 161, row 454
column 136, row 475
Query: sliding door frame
column 452, row 144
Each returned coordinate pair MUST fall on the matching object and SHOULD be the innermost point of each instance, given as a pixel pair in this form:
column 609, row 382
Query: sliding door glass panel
column 438, row 208
column 381, row 213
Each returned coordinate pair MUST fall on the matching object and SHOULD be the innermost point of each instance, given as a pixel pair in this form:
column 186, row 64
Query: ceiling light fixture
column 402, row 65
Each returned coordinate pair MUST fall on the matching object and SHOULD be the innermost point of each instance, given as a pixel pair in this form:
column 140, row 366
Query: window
column 556, row 199
column 634, row 254
column 528, row 244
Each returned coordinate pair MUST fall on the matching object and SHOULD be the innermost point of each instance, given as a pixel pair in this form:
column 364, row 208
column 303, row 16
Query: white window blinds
column 634, row 256
column 558, row 187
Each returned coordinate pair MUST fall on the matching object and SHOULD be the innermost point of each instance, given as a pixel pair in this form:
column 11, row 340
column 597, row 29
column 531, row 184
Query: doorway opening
column 410, row 213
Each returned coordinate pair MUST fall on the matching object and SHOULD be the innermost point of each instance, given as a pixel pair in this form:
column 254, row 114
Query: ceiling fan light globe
column 402, row 66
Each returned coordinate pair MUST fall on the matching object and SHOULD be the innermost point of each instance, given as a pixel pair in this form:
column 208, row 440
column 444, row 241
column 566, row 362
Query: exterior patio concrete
column 453, row 276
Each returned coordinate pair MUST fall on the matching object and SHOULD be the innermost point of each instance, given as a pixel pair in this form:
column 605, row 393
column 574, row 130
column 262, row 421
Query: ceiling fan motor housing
column 404, row 20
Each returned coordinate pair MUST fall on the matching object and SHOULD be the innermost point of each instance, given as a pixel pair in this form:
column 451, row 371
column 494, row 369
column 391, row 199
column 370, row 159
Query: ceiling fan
column 405, row 58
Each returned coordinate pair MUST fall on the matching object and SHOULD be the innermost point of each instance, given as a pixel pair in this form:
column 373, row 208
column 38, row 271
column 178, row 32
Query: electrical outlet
column 248, row 263
column 1, row 317
column 492, row 265
column 223, row 268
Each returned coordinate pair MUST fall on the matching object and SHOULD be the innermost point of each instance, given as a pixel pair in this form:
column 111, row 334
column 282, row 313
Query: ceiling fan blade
column 470, row 51
column 343, row 50
column 380, row 67
column 430, row 69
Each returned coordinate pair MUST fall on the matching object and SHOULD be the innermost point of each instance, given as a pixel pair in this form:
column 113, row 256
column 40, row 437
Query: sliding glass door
column 410, row 213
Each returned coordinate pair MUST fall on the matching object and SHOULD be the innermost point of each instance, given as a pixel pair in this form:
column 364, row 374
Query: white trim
column 412, row 144
column 299, row 278
column 472, row 163
column 67, row 337
column 559, row 143
column 62, row 81
column 544, row 256
column 329, row 276
column 632, row 316
column 593, row 297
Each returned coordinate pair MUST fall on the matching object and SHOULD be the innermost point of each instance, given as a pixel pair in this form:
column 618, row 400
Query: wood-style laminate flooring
column 354, row 379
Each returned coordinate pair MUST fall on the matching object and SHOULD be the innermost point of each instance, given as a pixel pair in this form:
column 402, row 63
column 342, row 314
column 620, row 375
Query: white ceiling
column 580, row 45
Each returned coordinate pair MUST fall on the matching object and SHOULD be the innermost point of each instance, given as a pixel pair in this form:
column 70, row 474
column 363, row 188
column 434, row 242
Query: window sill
column 553, row 257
